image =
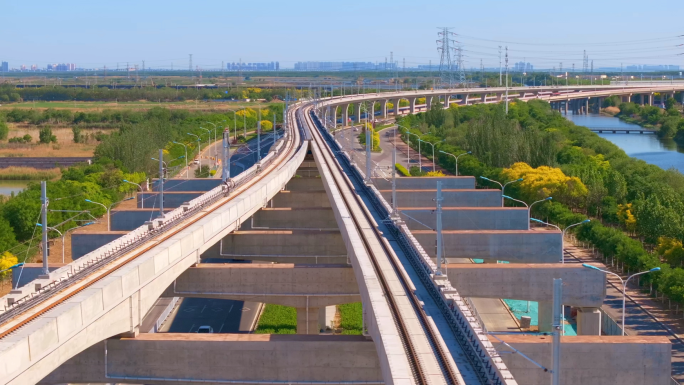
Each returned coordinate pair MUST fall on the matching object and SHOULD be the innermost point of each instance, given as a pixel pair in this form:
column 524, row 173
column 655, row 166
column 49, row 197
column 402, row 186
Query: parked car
column 205, row 329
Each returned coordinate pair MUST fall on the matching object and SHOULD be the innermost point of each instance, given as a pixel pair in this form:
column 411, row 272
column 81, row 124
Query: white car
column 205, row 329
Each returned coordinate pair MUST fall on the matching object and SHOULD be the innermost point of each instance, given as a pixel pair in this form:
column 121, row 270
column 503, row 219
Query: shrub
column 45, row 136
column 4, row 129
column 402, row 170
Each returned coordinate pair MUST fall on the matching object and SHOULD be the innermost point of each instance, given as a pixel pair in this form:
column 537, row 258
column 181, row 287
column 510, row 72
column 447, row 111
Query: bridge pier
column 384, row 108
column 358, row 112
column 345, row 115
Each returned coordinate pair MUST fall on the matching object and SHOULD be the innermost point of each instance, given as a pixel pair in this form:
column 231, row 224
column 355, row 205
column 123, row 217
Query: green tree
column 4, row 129
column 45, row 135
column 77, row 134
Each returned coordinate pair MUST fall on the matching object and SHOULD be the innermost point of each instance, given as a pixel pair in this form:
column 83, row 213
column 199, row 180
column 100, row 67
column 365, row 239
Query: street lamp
column 433, row 152
column 12, row 267
column 503, row 186
column 108, row 209
column 624, row 286
column 516, row 200
column 63, row 236
column 199, row 147
column 529, row 209
column 187, row 171
column 208, row 139
column 562, row 232
column 141, row 190
column 456, row 157
column 420, row 161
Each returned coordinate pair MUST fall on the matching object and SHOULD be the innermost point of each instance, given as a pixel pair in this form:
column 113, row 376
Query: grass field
column 138, row 105
column 277, row 319
column 351, row 318
column 28, row 173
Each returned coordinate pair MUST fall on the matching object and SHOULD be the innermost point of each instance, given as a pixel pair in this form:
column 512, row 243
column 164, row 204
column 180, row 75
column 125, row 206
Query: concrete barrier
column 301, row 199
column 517, row 246
column 31, row 271
column 452, row 198
column 292, row 218
column 286, row 284
column 426, row 183
column 184, row 185
column 595, row 360
column 172, row 200
column 467, row 218
column 529, row 282
column 127, row 220
column 158, row 358
column 84, row 243
column 304, row 184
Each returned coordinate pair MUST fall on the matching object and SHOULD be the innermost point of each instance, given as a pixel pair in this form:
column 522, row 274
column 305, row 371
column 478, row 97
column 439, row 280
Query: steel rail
column 451, row 377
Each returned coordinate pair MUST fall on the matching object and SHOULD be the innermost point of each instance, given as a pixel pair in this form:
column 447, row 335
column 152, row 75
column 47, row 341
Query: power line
column 446, row 74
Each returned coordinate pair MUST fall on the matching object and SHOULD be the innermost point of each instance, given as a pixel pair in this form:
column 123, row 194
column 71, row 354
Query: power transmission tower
column 585, row 63
column 128, row 71
column 446, row 73
column 500, row 72
column 560, row 67
column 192, row 75
column 461, row 68
column 143, row 68
column 592, row 66
column 223, row 69
column 506, row 80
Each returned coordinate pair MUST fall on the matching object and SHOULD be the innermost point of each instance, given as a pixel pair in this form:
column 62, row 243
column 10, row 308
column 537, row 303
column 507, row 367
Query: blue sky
column 95, row 33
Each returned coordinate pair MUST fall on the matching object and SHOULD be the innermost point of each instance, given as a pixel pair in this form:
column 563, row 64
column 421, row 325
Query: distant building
column 272, row 66
column 61, row 67
column 4, row 67
column 522, row 67
column 343, row 66
column 652, row 68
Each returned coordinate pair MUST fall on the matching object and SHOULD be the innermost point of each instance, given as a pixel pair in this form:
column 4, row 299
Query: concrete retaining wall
column 426, row 183
column 304, row 184
column 172, row 200
column 283, row 242
column 293, row 218
column 84, row 243
column 235, row 357
column 467, row 218
column 29, row 272
column 127, row 220
column 529, row 282
column 513, row 246
column 301, row 199
column 452, row 198
column 183, row 185
column 595, row 360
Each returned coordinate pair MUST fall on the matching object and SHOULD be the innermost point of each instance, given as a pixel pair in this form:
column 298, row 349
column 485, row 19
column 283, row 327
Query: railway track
column 417, row 333
column 29, row 308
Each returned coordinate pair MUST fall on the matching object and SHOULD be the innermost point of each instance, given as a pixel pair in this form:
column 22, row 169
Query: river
column 664, row 153
column 7, row 187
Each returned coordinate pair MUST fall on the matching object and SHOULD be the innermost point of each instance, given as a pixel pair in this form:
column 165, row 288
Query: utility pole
column 506, row 80
column 438, row 202
column 225, row 175
column 403, row 65
column 446, row 74
column 369, row 146
column 557, row 325
column 500, row 70
column 161, row 182
column 143, row 68
column 223, row 69
column 259, row 137
column 128, row 71
column 461, row 68
column 192, row 75
column 395, row 213
column 44, row 201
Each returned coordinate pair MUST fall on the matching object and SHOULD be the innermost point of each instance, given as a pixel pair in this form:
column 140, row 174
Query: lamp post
column 12, row 267
column 562, row 232
column 420, row 163
column 142, row 201
column 456, row 158
column 105, row 207
column 503, row 186
column 624, row 286
column 187, row 171
column 199, row 147
column 408, row 147
column 63, row 235
column 529, row 209
column 208, row 140
column 433, row 152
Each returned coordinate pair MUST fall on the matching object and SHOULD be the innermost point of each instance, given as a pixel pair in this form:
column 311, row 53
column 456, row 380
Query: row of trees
column 668, row 122
column 161, row 94
column 585, row 174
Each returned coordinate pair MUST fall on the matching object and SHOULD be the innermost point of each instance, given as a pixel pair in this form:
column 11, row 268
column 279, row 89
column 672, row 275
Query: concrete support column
column 483, row 98
column 566, row 106
column 650, row 99
column 466, row 97
column 396, row 107
column 326, row 316
column 383, row 108
column 586, row 106
column 307, row 320
column 428, row 103
column 412, row 105
column 358, row 112
column 334, row 115
column 545, row 316
column 588, row 321
column 447, row 101
column 345, row 114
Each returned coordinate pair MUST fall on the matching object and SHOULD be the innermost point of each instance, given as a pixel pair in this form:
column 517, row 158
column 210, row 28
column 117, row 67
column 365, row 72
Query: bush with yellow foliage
column 544, row 181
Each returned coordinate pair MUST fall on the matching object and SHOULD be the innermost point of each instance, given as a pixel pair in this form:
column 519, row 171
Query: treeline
column 163, row 94
column 669, row 122
column 586, row 175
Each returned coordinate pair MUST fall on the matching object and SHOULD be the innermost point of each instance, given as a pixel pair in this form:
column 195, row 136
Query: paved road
column 645, row 316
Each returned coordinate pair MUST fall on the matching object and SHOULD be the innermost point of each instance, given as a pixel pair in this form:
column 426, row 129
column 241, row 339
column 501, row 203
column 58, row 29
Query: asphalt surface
column 224, row 316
